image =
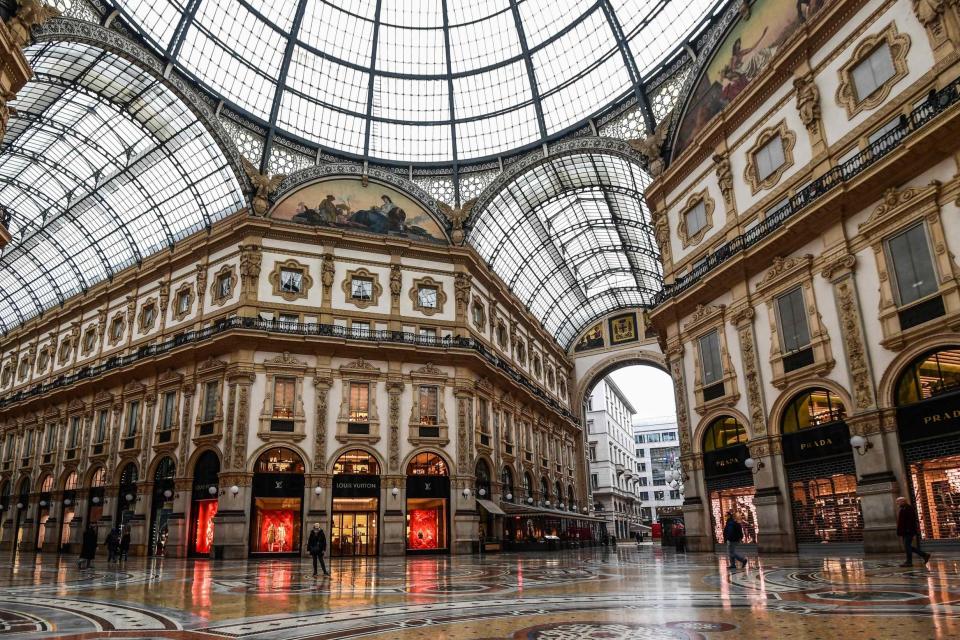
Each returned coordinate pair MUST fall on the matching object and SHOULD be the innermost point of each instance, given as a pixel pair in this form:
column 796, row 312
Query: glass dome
column 418, row 81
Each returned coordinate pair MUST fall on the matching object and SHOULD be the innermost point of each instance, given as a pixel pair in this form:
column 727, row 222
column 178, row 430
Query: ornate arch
column 440, row 452
column 886, row 389
column 121, row 465
column 195, row 457
column 62, row 481
column 252, row 459
column 613, row 362
column 155, row 461
column 791, row 392
column 356, row 446
column 709, row 417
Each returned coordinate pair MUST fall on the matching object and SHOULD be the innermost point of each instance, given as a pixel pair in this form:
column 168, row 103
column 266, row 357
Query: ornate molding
column 721, row 164
column 291, row 265
column 782, row 269
column 788, row 138
column 686, row 239
column 899, row 44
column 427, row 281
column 850, row 330
column 285, row 360
column 347, row 287
column 217, row 296
column 808, row 102
column 840, row 266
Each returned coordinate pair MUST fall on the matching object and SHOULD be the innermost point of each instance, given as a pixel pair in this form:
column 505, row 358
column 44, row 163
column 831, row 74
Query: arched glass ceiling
column 418, row 81
column 102, row 166
column 572, row 238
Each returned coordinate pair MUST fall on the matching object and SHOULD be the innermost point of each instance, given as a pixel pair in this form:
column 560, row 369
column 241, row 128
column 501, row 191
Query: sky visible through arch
column 649, row 390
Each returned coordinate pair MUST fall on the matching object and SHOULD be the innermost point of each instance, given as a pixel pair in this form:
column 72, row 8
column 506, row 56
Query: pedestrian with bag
column 908, row 529
column 317, row 545
column 733, row 536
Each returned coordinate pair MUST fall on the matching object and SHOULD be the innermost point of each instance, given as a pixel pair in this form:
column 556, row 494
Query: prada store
column 820, row 469
column 729, row 483
column 928, row 424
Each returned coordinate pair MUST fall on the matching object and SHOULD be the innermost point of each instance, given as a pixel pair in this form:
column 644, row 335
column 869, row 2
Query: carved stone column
column 877, row 485
column 839, row 272
column 463, row 283
column 187, row 392
column 394, row 390
column 941, row 19
column 328, row 271
column 742, row 320
column 322, row 382
column 238, row 460
column 464, row 429
column 396, row 288
column 229, row 421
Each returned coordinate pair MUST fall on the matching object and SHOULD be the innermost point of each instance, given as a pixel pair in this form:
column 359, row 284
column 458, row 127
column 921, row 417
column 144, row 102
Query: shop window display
column 936, row 488
column 827, row 510
column 277, row 509
column 428, row 499
column 356, row 505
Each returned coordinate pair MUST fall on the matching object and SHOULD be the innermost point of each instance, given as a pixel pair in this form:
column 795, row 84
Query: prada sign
column 932, row 418
column 819, row 442
column 725, row 461
column 356, row 486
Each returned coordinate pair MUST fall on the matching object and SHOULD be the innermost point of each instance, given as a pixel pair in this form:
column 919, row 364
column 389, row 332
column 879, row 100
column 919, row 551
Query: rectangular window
column 644, row 495
column 224, row 284
column 210, row 401
column 291, row 280
column 429, row 405
column 658, row 495
column 769, row 158
column 594, row 481
column 696, row 218
column 427, row 297
column 873, row 72
column 169, row 408
column 661, row 460
column 791, row 312
column 133, row 418
column 593, row 453
column 283, row 394
column 359, row 401
column 149, row 312
column 882, row 131
column 51, row 436
column 101, row 427
column 710, row 368
column 483, row 417
column 913, row 269
column 289, row 319
column 361, row 329
column 28, row 447
column 183, row 302
column 8, row 453
column 674, row 494
column 361, row 289
column 427, row 332
column 668, row 435
column 74, row 432
column 653, row 437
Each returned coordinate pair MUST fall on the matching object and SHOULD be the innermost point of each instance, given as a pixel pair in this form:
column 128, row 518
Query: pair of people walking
column 317, row 545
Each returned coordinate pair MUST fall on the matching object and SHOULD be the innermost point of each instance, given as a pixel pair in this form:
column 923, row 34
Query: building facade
column 657, row 451
column 807, row 221
column 347, row 364
column 613, row 465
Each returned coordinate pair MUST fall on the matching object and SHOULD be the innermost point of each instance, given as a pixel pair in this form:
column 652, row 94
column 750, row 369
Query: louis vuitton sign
column 819, row 442
column 356, row 486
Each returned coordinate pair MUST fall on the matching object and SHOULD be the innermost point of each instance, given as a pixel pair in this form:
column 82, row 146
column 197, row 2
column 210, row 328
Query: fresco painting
column 345, row 203
column 592, row 339
column 743, row 55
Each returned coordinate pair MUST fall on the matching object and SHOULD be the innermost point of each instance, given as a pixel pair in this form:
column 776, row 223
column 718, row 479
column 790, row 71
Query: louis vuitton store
column 428, row 504
column 354, row 529
column 928, row 424
column 820, row 469
column 276, row 514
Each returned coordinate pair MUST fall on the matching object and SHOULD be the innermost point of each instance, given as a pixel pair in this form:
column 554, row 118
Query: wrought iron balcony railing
column 936, row 103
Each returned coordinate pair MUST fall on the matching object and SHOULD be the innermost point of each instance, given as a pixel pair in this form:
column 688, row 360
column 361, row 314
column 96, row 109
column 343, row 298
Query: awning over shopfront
column 491, row 507
column 530, row 510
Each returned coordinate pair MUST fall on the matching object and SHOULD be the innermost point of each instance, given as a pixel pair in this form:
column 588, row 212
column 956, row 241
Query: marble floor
column 628, row 593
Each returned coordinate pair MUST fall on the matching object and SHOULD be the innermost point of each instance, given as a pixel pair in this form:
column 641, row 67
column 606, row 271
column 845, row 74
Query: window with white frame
column 359, row 401
column 792, row 316
column 361, row 289
column 360, row 328
column 284, row 389
column 769, row 157
column 873, row 71
column 696, row 218
column 427, row 297
column 913, row 270
column 291, row 280
column 429, row 405
column 711, row 368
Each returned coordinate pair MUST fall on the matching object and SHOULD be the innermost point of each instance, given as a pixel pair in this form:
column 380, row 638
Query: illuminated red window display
column 740, row 501
column 203, row 536
column 277, row 525
column 426, row 525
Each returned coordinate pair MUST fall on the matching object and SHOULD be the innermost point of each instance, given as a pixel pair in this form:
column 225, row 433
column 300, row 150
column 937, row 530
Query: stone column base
column 231, row 529
column 177, row 534
column 699, row 530
column 393, row 531
column 466, row 531
column 771, row 536
column 878, row 493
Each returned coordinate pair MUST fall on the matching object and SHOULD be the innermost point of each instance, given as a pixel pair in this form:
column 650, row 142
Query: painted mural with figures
column 345, row 203
column 742, row 56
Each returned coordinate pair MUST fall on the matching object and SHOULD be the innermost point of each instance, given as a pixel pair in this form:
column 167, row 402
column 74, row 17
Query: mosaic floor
column 624, row 594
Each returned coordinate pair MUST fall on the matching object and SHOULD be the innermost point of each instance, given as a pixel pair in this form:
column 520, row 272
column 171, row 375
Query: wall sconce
column 585, row 509
column 95, row 499
column 509, row 497
column 2, row 507
column 129, row 497
column 861, row 444
column 67, row 502
column 530, row 500
column 546, row 503
column 560, row 506
column 234, row 490
column 19, row 505
column 317, row 490
column 753, row 465
column 395, row 492
column 482, row 492
column 212, row 490
column 167, row 494
column 43, row 503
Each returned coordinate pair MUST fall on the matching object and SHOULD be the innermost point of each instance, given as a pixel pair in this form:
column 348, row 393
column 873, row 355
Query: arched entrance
column 96, row 495
column 506, row 484
column 728, row 482
column 21, row 516
column 43, row 510
column 69, row 511
column 126, row 497
column 276, row 513
column 927, row 395
column 355, row 517
column 820, row 469
column 203, row 504
column 428, row 503
column 161, row 502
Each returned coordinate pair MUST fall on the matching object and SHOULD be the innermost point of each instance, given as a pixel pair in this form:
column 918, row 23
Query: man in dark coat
column 113, row 544
column 88, row 550
column 124, row 546
column 733, row 535
column 317, row 545
column 908, row 528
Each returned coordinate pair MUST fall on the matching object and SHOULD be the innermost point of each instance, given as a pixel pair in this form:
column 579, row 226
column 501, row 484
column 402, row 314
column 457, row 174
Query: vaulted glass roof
column 572, row 237
column 101, row 166
column 418, row 81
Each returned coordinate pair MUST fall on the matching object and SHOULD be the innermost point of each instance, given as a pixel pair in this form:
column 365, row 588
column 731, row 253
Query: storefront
column 728, row 482
column 276, row 514
column 928, row 423
column 491, row 515
column 820, row 470
column 69, row 511
column 203, row 504
column 161, row 504
column 126, row 498
column 21, row 516
column 43, row 511
column 527, row 528
column 355, row 517
column 428, row 504
column 95, row 498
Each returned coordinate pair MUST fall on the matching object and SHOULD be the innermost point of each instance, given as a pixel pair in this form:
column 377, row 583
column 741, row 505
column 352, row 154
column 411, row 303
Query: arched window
column 165, row 470
column 356, row 462
column 207, row 470
column 812, row 408
column 46, row 486
column 483, row 478
column 129, row 475
column 99, row 478
column 571, row 500
column 279, row 460
column 928, row 376
column 722, row 433
column 558, row 491
column 544, row 489
column 71, row 482
column 506, row 481
column 527, row 485
column 427, row 464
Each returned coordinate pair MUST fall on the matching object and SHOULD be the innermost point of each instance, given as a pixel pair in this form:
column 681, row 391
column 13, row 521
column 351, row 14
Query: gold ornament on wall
column 263, row 184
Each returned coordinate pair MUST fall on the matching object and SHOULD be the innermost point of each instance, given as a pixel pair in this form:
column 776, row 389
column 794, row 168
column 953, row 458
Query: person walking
column 733, row 535
column 124, row 549
column 680, row 537
column 113, row 544
column 88, row 548
column 317, row 545
column 908, row 528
